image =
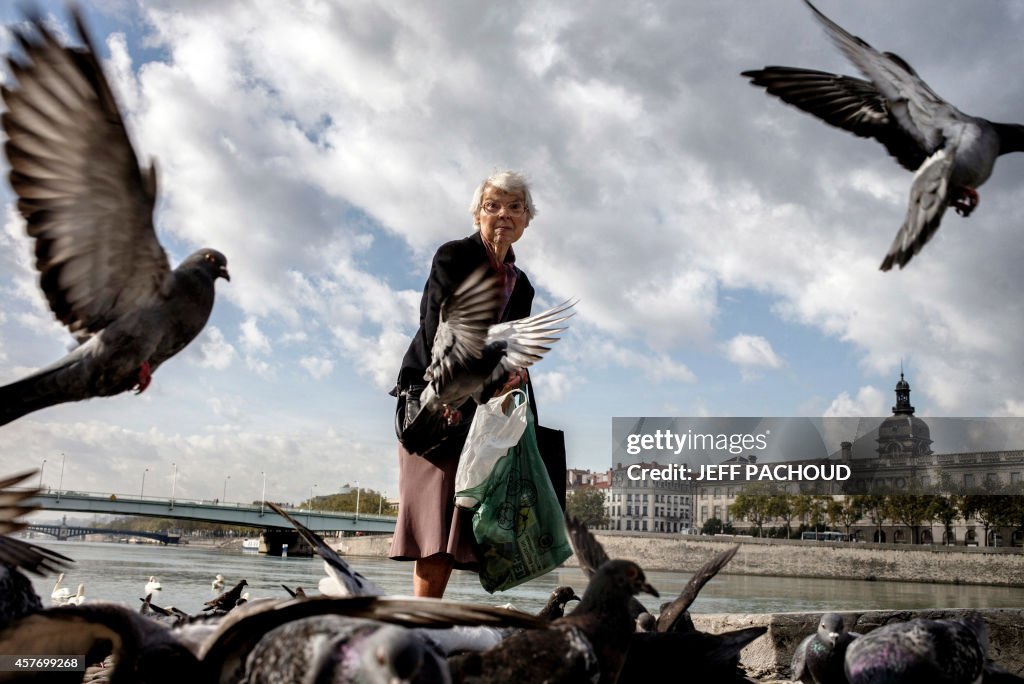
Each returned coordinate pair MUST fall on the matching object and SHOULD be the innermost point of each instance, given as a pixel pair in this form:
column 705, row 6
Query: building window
column 1014, row 478
column 969, row 480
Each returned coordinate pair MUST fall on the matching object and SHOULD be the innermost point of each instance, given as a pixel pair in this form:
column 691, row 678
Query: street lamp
column 357, row 499
column 263, row 496
column 174, row 481
column 60, row 481
column 224, row 495
column 143, row 487
column 310, row 508
column 42, row 466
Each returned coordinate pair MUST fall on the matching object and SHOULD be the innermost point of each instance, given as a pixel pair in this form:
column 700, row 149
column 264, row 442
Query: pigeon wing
column 852, row 104
column 462, row 327
column 526, row 340
column 15, row 552
column 670, row 616
column 919, row 111
column 929, row 197
column 348, row 580
column 86, row 202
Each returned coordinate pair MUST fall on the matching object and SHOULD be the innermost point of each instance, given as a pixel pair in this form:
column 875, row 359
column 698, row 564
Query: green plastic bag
column 518, row 522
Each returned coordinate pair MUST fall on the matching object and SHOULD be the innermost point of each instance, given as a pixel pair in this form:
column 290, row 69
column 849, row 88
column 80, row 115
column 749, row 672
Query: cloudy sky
column 724, row 247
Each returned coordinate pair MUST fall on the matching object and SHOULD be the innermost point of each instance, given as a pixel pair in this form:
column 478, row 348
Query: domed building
column 903, row 434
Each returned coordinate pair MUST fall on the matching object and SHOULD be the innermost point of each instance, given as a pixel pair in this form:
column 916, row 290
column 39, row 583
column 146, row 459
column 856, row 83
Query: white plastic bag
column 491, row 434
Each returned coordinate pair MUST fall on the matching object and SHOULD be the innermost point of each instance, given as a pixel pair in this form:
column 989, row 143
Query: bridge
column 64, row 531
column 226, row 513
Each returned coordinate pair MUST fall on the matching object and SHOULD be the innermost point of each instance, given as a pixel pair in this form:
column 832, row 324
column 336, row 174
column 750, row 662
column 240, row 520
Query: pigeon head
column 831, row 628
column 562, row 595
column 619, row 580
column 209, row 261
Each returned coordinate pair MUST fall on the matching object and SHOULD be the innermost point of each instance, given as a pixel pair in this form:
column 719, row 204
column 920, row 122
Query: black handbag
column 407, row 407
column 551, row 444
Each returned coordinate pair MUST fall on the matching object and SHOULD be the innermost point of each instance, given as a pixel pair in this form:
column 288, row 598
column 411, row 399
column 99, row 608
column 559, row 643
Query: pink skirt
column 428, row 521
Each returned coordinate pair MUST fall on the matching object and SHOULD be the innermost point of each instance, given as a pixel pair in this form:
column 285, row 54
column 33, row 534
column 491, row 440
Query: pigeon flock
column 353, row 633
column 88, row 208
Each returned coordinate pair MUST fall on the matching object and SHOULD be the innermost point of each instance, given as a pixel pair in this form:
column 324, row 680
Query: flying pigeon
column 89, row 207
column 820, row 656
column 950, row 152
column 919, row 650
column 17, row 596
column 470, row 355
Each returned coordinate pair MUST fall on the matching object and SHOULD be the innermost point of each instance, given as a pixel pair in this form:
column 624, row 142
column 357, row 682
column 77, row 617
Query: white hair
column 507, row 181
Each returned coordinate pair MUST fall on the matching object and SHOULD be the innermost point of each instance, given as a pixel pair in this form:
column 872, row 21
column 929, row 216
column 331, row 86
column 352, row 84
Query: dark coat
column 453, row 263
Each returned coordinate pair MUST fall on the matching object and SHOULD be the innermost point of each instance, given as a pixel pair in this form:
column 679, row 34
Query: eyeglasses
column 516, row 208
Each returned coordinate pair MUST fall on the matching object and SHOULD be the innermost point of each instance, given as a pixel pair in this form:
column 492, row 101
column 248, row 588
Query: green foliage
column 711, row 526
column 587, row 505
column 370, row 501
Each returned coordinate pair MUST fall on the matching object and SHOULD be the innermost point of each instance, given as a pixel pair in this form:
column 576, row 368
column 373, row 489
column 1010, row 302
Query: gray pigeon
column 950, row 152
column 17, row 596
column 919, row 650
column 337, row 649
column 89, row 209
column 820, row 656
column 226, row 601
column 471, row 354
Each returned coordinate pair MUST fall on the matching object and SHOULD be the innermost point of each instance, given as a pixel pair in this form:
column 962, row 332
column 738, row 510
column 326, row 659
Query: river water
column 119, row 572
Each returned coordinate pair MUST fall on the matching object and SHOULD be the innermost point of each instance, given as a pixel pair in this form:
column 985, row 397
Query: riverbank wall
column 792, row 558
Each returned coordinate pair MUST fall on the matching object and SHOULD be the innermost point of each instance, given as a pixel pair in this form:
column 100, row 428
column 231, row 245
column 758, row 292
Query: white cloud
column 870, row 401
column 215, row 351
column 318, row 367
column 751, row 353
column 252, row 339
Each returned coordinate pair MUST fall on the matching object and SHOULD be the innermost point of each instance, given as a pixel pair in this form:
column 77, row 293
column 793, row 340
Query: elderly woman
column 430, row 530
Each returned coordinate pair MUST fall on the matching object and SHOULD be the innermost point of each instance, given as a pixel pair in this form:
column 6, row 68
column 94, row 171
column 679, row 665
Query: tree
column 370, row 501
column 991, row 507
column 782, row 508
column 875, row 507
column 911, row 510
column 849, row 512
column 587, row 505
column 711, row 526
column 944, row 508
column 754, row 503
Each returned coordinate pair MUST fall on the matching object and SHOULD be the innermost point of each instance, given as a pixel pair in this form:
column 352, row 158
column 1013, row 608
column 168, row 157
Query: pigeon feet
column 145, row 377
column 966, row 201
column 452, row 416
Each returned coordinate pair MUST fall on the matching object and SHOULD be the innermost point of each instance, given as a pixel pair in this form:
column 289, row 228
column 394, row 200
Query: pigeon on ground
column 820, row 656
column 709, row 657
column 588, row 645
column 228, row 600
column 950, row 152
column 89, row 209
column 920, row 650
column 341, row 579
column 555, row 607
column 470, row 357
column 17, row 596
column 298, row 592
column 231, row 652
column 145, row 651
column 334, row 648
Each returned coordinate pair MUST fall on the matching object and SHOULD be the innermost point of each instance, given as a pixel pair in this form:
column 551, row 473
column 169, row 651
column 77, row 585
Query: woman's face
column 502, row 217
